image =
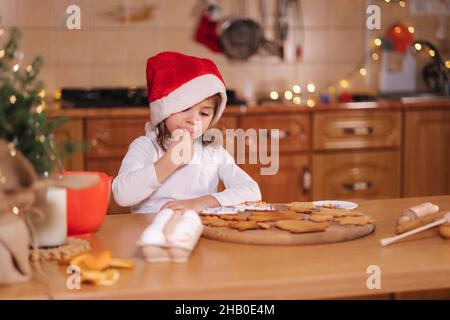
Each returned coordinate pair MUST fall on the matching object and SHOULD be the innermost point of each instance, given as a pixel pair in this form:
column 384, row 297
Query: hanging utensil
column 282, row 25
column 288, row 24
column 241, row 37
column 269, row 46
column 298, row 34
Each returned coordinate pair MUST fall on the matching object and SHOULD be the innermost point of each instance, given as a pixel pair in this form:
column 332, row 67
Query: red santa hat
column 177, row 81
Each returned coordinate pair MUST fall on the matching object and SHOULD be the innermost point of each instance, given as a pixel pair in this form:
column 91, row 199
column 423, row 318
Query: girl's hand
column 196, row 204
column 181, row 148
column 179, row 152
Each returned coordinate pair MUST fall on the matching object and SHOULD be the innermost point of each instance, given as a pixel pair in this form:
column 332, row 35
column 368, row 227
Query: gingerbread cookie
column 320, row 217
column 265, row 218
column 360, row 221
column 244, row 225
column 300, row 226
column 214, row 222
column 275, row 216
column 264, row 225
column 301, row 207
column 233, row 217
column 338, row 212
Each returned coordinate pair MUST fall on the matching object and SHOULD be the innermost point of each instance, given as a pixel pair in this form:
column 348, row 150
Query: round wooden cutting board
column 275, row 236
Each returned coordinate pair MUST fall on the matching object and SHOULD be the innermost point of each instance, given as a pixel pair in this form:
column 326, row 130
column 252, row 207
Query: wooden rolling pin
column 444, row 230
column 444, row 219
column 410, row 225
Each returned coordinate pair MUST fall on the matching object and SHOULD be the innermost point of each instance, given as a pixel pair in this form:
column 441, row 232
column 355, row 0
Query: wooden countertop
column 55, row 109
column 219, row 270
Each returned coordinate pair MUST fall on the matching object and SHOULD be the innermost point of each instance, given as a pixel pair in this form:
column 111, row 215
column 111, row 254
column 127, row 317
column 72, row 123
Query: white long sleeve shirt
column 136, row 184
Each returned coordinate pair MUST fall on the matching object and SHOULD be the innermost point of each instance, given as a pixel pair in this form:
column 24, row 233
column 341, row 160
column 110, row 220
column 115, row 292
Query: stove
column 104, row 97
column 120, row 97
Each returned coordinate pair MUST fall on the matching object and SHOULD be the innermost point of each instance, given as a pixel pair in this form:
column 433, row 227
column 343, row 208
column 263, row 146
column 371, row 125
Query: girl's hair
column 162, row 134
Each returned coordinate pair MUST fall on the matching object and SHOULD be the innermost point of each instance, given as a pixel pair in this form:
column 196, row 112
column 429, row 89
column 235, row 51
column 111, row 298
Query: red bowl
column 86, row 208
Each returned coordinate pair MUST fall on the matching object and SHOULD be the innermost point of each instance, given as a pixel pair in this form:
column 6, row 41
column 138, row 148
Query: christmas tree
column 24, row 122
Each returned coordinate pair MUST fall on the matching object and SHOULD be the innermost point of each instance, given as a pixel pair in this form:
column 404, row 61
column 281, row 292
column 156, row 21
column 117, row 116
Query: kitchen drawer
column 356, row 175
column 110, row 138
column 356, row 129
column 293, row 129
column 290, row 183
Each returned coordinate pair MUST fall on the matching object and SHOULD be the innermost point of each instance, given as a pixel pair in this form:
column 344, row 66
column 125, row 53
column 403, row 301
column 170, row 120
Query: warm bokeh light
column 344, row 83
column 310, row 103
column 273, row 95
column 288, row 95
column 311, row 88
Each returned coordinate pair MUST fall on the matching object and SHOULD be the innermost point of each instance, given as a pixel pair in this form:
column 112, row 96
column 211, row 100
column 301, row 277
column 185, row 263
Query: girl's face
column 195, row 120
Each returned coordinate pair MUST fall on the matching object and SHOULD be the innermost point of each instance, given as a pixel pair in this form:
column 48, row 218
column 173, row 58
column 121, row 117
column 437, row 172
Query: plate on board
column 338, row 204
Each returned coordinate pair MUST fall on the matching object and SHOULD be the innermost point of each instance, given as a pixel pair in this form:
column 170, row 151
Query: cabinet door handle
column 306, row 180
column 358, row 186
column 100, row 137
column 282, row 134
column 358, row 131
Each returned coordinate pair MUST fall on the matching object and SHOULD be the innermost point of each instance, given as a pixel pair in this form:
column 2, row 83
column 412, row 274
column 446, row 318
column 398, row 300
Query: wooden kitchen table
column 219, row 270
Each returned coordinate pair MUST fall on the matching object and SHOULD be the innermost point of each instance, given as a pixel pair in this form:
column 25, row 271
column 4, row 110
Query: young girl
column 186, row 96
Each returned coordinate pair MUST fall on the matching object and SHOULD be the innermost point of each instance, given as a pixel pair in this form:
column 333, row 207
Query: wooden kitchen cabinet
column 293, row 129
column 356, row 129
column 110, row 139
column 71, row 131
column 426, row 160
column 290, row 183
column 356, row 175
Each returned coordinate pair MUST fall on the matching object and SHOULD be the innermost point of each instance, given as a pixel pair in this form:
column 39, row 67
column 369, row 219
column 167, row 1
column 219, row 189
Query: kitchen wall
column 106, row 52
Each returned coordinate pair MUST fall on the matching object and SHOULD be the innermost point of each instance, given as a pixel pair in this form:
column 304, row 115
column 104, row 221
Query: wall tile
column 35, row 13
column 344, row 13
column 39, row 42
column 346, row 45
column 74, row 47
column 316, row 45
column 73, row 76
column 110, row 76
column 109, row 46
column 142, row 43
column 8, row 10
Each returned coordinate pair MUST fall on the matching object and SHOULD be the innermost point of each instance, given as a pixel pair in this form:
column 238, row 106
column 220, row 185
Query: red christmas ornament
column 401, row 37
column 345, row 97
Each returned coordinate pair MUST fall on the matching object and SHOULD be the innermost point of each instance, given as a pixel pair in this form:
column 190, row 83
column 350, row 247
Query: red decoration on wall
column 207, row 34
column 401, row 37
